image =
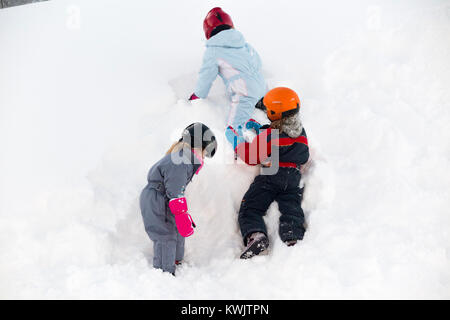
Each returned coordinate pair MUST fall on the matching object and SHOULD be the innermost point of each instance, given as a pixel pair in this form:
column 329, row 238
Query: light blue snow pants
column 242, row 109
column 243, row 95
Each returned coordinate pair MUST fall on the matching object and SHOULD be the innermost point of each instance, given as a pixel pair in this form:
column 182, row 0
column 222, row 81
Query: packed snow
column 92, row 93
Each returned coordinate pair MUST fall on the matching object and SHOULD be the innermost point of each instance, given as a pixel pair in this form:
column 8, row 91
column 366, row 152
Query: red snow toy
column 216, row 17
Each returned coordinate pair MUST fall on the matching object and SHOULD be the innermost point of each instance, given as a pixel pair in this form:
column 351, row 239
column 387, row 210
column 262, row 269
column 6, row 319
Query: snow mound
column 93, row 94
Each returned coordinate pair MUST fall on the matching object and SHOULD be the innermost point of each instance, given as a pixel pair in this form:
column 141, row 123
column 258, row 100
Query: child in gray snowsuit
column 163, row 205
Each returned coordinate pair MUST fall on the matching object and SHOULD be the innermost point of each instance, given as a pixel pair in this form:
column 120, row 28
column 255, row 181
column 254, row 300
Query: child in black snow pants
column 282, row 106
column 163, row 205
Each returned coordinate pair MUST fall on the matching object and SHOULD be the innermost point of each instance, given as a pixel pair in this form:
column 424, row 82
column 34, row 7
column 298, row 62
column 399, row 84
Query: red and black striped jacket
column 293, row 152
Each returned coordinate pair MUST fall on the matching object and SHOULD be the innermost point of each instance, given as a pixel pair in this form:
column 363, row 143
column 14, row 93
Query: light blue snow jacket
column 238, row 64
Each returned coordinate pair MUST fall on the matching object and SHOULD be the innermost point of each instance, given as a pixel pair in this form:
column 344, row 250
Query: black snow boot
column 290, row 243
column 256, row 244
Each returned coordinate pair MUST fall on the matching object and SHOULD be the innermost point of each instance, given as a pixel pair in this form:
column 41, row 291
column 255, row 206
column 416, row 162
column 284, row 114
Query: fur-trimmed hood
column 292, row 126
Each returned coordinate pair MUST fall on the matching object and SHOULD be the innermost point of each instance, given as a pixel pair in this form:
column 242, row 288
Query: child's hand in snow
column 185, row 224
column 183, row 220
column 193, row 97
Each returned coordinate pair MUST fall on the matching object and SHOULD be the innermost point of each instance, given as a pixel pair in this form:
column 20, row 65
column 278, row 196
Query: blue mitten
column 252, row 124
column 234, row 137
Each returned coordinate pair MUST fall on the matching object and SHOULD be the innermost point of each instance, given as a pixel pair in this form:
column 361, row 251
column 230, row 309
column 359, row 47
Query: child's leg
column 163, row 233
column 292, row 217
column 242, row 108
column 164, row 255
column 180, row 248
column 157, row 254
column 254, row 205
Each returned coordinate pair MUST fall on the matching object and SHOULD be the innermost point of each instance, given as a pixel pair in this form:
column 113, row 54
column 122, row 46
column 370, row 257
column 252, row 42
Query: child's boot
column 290, row 243
column 256, row 244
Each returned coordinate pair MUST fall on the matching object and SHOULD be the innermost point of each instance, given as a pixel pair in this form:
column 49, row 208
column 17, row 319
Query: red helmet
column 216, row 17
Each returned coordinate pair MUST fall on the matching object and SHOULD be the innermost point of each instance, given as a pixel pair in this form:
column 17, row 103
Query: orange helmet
column 281, row 102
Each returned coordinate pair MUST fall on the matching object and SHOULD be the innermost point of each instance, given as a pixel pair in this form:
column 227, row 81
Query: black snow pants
column 283, row 187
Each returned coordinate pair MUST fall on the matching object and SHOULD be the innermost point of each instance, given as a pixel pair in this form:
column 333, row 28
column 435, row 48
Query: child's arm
column 303, row 148
column 183, row 219
column 259, row 150
column 207, row 74
column 175, row 181
column 254, row 152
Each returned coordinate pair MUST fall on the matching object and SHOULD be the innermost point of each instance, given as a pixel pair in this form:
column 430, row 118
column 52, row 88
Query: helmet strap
column 290, row 112
column 220, row 28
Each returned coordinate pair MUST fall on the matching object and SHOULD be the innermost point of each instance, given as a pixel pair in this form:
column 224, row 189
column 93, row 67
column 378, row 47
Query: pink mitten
column 193, row 97
column 183, row 220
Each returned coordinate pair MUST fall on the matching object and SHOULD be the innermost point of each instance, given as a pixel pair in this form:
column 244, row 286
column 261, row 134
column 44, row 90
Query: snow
column 92, row 93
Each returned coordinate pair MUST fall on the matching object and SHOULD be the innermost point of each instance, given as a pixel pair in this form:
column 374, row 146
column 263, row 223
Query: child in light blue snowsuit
column 237, row 63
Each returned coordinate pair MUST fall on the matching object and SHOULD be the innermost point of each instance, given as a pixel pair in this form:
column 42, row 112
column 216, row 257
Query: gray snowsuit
column 167, row 180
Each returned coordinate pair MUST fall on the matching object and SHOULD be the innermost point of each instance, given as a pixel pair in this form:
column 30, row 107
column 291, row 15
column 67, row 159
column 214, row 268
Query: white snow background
column 92, row 93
